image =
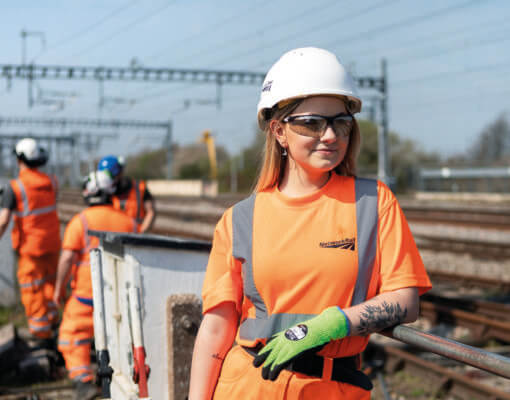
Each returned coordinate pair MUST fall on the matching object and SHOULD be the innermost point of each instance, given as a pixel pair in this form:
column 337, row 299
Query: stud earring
column 284, row 152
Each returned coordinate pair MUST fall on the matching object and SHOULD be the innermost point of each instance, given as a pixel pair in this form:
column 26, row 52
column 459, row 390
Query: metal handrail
column 487, row 361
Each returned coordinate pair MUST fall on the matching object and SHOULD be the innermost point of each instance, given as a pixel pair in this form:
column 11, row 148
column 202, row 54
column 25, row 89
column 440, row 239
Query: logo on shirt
column 347, row 244
column 297, row 332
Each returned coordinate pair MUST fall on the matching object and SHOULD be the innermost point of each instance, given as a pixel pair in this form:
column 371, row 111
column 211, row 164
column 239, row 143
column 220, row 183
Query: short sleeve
column 401, row 265
column 73, row 235
column 8, row 198
column 223, row 281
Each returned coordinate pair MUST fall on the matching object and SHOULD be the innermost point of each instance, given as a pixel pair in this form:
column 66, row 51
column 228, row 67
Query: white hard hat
column 28, row 147
column 99, row 182
column 28, row 151
column 306, row 72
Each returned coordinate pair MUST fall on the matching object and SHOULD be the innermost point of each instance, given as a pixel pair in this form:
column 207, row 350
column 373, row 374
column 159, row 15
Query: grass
column 12, row 315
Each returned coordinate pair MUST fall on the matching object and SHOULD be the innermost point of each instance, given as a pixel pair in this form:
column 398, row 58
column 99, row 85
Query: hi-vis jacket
column 36, row 229
column 132, row 203
column 99, row 218
column 283, row 260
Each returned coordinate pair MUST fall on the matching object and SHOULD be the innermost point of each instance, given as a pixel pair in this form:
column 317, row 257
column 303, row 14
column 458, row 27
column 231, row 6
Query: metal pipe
column 473, row 356
column 104, row 371
column 141, row 369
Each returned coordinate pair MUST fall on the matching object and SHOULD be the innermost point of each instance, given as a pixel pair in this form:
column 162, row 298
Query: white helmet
column 305, row 72
column 30, row 152
column 98, row 187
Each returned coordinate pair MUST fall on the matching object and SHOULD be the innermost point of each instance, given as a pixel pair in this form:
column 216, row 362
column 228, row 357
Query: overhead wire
column 89, row 28
column 480, row 68
column 278, row 41
column 123, row 29
column 488, row 41
column 400, row 24
column 437, row 35
column 206, row 30
column 323, row 25
column 224, row 44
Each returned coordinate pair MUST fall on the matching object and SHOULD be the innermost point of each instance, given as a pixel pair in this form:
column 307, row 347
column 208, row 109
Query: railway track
column 442, row 377
column 460, row 215
column 469, row 281
column 196, row 218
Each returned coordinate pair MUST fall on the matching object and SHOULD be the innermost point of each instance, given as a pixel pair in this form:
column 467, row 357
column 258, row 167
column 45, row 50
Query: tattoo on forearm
column 217, row 356
column 376, row 318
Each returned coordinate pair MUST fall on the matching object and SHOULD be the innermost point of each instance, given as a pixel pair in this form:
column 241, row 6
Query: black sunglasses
column 314, row 125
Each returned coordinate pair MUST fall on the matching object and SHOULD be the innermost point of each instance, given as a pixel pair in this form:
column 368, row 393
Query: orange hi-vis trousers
column 239, row 379
column 75, row 339
column 36, row 277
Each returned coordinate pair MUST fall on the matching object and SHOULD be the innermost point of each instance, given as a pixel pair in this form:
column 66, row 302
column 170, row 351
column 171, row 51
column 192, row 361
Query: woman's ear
column 277, row 130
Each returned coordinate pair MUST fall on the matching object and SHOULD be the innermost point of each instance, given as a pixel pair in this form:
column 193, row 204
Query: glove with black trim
column 309, row 336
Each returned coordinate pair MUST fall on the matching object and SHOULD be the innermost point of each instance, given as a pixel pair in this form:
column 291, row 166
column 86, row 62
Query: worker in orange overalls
column 315, row 260
column 132, row 196
column 77, row 328
column 32, row 198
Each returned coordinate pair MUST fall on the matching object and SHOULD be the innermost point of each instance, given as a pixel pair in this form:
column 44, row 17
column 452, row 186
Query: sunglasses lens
column 308, row 126
column 342, row 126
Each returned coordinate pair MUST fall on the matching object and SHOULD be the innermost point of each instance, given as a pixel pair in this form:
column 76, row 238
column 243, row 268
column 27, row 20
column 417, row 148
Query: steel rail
column 446, row 379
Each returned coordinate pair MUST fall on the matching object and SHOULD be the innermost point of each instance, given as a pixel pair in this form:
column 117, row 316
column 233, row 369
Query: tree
column 493, row 144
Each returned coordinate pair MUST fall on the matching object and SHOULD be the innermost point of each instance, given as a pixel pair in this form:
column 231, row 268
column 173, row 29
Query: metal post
column 30, row 78
column 23, row 46
column 104, row 372
column 75, row 161
column 168, row 145
column 382, row 131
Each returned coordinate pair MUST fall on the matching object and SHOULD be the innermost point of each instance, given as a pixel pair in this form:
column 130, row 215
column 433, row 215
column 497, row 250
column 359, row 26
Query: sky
column 448, row 62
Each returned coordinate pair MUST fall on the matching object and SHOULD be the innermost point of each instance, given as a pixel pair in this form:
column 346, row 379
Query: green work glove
column 308, row 336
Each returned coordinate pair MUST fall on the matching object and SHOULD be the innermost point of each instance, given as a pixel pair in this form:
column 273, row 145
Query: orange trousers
column 75, row 339
column 36, row 277
column 239, row 379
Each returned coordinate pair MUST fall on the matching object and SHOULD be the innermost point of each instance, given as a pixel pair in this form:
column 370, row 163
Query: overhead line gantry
column 32, row 72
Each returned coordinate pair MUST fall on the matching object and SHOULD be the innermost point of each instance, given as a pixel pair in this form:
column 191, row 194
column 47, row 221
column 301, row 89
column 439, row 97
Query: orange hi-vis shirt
column 305, row 256
column 98, row 218
column 36, row 229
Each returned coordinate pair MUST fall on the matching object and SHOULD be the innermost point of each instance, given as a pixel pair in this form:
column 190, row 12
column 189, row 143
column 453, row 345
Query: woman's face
column 316, row 155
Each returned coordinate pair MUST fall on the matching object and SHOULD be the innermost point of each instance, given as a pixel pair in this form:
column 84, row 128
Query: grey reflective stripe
column 82, row 341
column 44, row 318
column 86, row 367
column 122, row 204
column 253, row 328
column 26, row 210
column 242, row 238
column 36, row 328
column 263, row 326
column 37, row 282
column 84, row 375
column 24, row 198
column 367, row 224
column 135, row 226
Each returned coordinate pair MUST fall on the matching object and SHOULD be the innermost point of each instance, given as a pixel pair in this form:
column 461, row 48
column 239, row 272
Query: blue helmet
column 111, row 164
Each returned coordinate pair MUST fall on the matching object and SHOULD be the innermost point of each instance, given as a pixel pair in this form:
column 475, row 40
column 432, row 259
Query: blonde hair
column 273, row 165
